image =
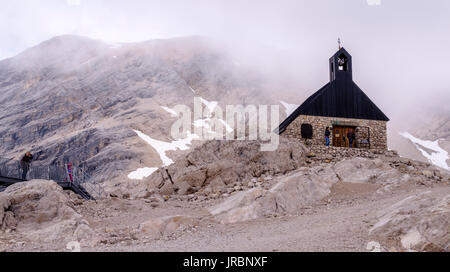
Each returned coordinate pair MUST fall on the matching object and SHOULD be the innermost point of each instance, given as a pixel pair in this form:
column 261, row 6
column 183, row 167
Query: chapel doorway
column 340, row 135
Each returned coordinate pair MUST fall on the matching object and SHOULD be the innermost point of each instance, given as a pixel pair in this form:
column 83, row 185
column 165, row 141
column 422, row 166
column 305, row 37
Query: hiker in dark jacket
column 327, row 136
column 351, row 137
column 25, row 164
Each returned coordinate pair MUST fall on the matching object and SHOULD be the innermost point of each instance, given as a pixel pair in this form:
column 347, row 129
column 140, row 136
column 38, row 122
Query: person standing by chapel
column 351, row 137
column 327, row 136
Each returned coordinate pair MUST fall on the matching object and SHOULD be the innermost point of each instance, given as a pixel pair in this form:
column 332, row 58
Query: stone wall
column 323, row 154
column 365, row 129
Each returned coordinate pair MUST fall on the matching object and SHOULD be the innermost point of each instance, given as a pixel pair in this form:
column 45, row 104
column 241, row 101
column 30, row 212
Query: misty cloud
column 73, row 2
column 399, row 48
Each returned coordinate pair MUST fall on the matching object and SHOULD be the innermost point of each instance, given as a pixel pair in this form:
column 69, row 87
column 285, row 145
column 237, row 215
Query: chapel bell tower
column 341, row 65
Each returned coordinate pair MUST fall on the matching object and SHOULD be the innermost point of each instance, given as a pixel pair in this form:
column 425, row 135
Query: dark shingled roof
column 341, row 97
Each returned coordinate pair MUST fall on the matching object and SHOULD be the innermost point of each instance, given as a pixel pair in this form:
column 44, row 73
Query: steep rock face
column 42, row 212
column 72, row 99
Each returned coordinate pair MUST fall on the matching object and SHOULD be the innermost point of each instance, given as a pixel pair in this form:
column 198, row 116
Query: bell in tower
column 341, row 65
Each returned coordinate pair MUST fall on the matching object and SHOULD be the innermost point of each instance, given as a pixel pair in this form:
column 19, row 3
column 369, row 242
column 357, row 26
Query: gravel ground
column 339, row 222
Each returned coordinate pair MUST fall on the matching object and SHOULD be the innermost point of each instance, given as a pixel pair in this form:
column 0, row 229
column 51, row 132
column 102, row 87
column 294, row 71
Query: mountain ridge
column 84, row 107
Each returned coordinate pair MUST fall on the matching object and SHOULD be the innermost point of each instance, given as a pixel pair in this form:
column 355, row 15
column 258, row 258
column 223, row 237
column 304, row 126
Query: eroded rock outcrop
column 41, row 212
column 218, row 164
column 361, row 170
column 287, row 196
column 389, row 173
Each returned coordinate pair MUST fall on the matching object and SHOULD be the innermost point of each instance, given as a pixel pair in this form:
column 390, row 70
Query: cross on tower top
column 339, row 42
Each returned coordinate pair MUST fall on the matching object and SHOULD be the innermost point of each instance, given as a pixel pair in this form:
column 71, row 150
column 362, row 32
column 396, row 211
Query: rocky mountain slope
column 327, row 200
column 108, row 107
column 72, row 99
column 424, row 136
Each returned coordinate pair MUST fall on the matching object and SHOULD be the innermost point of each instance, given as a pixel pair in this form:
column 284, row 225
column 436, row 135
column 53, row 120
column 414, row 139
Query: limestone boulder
column 417, row 223
column 126, row 189
column 287, row 196
column 217, row 164
column 364, row 170
column 359, row 170
column 164, row 226
column 6, row 216
column 194, row 176
column 242, row 206
column 300, row 189
column 40, row 211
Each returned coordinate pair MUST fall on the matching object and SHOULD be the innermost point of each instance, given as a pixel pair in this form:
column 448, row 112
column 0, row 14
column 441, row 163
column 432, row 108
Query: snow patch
column 439, row 157
column 206, row 122
column 227, row 126
column 162, row 147
column 142, row 173
column 169, row 110
column 202, row 123
column 289, row 108
column 209, row 105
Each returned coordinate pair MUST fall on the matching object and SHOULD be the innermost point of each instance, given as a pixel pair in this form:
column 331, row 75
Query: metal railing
column 83, row 179
column 58, row 173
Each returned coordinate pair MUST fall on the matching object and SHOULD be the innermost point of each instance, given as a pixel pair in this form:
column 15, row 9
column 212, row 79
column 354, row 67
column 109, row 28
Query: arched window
column 307, row 131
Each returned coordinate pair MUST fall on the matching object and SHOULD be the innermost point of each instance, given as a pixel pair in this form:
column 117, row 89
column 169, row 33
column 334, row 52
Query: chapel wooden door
column 340, row 136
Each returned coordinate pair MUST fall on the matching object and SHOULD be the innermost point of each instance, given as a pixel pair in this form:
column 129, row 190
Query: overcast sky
column 400, row 48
